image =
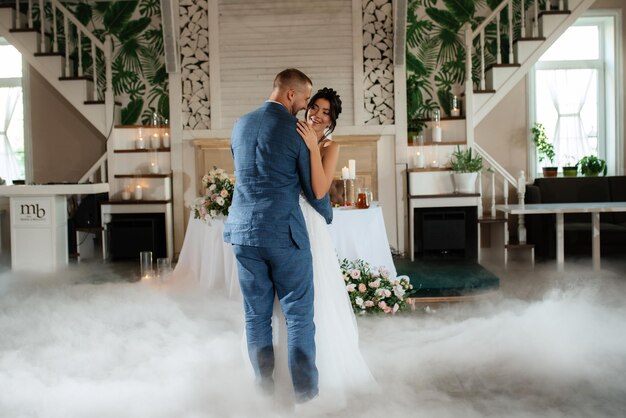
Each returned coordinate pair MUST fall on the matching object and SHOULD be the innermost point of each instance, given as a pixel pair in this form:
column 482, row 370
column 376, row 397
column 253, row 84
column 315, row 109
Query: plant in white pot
column 466, row 166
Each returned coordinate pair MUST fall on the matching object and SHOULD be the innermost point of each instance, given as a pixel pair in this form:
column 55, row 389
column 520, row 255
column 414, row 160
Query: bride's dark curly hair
column 335, row 105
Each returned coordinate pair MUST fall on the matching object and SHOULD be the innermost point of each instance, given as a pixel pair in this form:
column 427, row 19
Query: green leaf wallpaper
column 435, row 52
column 140, row 81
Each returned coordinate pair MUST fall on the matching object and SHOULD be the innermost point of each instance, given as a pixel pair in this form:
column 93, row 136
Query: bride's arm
column 321, row 171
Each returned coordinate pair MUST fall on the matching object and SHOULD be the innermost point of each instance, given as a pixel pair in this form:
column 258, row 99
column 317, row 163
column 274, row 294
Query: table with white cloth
column 360, row 233
column 356, row 233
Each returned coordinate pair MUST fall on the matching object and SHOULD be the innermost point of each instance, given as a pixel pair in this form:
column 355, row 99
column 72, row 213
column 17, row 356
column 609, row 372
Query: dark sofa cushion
column 617, row 187
column 573, row 190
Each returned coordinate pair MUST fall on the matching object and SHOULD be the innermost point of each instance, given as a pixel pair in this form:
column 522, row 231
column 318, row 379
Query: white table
column 594, row 208
column 204, row 257
column 360, row 233
column 39, row 223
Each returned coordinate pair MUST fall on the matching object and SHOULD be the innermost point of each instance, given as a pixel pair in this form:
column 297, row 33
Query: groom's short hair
column 291, row 78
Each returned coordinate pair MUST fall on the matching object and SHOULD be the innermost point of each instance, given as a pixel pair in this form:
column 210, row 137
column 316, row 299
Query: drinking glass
column 164, row 268
column 363, row 198
column 145, row 264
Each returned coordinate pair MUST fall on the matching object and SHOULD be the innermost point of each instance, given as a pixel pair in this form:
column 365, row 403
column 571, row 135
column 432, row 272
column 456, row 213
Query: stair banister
column 109, row 98
column 99, row 167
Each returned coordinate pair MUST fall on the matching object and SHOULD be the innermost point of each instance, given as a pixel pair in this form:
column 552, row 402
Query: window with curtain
column 11, row 114
column 571, row 82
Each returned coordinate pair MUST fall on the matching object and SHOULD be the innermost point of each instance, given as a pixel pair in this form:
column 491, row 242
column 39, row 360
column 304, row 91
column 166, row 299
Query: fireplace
column 446, row 231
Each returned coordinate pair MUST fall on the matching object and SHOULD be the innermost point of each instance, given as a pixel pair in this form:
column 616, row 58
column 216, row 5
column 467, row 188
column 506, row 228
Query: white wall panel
column 259, row 39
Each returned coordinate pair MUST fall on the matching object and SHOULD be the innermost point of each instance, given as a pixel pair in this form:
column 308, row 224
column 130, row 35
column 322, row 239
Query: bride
column 341, row 366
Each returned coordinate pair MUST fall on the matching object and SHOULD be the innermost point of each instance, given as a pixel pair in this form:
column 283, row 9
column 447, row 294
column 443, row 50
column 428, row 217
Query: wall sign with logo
column 31, row 211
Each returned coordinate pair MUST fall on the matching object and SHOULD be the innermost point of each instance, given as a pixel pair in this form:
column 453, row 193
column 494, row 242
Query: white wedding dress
column 342, row 368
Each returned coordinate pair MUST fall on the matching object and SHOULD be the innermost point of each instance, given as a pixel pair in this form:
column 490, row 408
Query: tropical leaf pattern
column 139, row 77
column 435, row 53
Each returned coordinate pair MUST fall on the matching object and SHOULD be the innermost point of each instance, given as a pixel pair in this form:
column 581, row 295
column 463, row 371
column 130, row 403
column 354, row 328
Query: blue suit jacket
column 272, row 166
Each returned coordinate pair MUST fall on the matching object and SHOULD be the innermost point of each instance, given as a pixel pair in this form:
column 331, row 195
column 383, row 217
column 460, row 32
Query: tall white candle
column 437, row 134
column 419, row 160
column 352, row 168
column 155, row 141
column 138, row 192
column 166, row 140
column 140, row 143
column 345, row 173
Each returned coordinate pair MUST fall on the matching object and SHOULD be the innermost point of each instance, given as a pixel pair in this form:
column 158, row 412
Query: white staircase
column 533, row 32
column 47, row 49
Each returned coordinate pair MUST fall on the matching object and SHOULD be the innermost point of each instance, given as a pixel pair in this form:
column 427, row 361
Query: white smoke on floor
column 75, row 344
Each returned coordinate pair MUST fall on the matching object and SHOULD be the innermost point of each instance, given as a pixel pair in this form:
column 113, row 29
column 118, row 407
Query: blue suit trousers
column 288, row 273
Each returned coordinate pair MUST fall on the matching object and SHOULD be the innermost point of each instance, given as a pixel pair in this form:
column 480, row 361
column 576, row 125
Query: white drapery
column 569, row 91
column 9, row 164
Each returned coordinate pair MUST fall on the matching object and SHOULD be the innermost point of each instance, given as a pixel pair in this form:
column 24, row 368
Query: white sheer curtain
column 9, row 164
column 569, row 91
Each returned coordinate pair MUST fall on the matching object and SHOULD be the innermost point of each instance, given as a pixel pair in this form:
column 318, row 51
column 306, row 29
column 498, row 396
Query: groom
column 268, row 232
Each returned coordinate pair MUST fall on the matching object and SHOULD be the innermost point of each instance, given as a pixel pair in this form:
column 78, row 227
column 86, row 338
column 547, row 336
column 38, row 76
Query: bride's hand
column 308, row 134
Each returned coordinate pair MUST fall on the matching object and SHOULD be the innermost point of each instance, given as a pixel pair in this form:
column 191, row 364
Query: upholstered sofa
column 541, row 229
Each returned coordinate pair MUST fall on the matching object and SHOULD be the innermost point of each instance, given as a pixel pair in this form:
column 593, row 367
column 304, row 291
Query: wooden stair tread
column 490, row 220
column 476, row 91
column 519, row 246
column 17, row 30
column 82, row 77
column 554, row 12
column 97, row 102
column 48, row 54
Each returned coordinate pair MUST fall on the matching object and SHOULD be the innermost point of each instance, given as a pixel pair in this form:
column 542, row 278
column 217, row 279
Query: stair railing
column 519, row 23
column 97, row 173
column 49, row 27
column 508, row 180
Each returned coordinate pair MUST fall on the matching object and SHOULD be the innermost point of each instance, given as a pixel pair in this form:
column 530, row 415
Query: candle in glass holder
column 455, row 111
column 154, row 163
column 437, row 126
column 140, row 143
column 155, row 141
column 138, row 192
column 418, row 160
column 125, row 195
column 166, row 140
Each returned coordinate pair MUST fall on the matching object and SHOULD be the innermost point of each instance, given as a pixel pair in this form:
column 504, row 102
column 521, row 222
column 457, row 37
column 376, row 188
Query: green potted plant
column 571, row 167
column 466, row 166
column 590, row 165
column 545, row 149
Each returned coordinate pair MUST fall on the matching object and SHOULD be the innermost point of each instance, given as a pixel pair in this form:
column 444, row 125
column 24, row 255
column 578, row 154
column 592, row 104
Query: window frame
column 610, row 82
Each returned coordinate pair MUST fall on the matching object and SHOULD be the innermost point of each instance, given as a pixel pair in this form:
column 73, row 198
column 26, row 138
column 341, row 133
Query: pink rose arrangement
column 371, row 290
column 217, row 197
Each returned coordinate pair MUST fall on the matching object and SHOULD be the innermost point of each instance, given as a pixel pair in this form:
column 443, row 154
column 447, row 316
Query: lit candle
column 138, row 192
column 352, row 168
column 455, row 111
column 345, row 173
column 154, row 168
column 140, row 143
column 419, row 160
column 166, row 140
column 434, row 164
column 155, row 141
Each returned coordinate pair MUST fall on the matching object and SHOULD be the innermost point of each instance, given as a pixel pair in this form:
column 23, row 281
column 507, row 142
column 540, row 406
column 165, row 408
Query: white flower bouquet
column 371, row 290
column 217, row 197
